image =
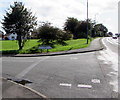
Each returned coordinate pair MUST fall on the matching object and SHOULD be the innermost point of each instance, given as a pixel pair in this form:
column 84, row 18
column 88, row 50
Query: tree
column 50, row 35
column 70, row 26
column 100, row 30
column 81, row 28
column 19, row 20
column 47, row 33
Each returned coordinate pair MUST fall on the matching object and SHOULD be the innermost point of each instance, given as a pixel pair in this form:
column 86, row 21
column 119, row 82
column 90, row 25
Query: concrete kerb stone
column 83, row 50
column 28, row 89
column 101, row 43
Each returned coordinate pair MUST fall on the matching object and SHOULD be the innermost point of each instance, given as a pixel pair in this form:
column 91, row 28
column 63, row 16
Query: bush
column 49, row 35
column 82, row 35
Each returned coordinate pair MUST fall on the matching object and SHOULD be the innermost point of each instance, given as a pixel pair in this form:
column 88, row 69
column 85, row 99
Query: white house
column 1, row 35
column 12, row 36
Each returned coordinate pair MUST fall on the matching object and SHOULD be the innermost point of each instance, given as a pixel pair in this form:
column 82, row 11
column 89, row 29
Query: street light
column 87, row 21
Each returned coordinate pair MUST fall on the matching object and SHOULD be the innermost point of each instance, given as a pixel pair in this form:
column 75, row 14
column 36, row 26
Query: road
column 83, row 75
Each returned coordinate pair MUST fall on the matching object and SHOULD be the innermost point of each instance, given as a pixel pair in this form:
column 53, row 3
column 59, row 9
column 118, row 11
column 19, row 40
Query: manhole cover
column 95, row 81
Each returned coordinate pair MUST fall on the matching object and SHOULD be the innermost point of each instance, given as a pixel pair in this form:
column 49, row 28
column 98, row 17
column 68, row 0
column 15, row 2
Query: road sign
column 45, row 47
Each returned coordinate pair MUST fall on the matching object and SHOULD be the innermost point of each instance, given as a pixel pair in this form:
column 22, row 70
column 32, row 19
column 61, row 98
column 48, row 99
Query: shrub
column 50, row 35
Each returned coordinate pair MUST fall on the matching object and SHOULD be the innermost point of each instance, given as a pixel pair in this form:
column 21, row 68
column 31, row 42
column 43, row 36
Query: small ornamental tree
column 19, row 20
column 50, row 35
column 47, row 33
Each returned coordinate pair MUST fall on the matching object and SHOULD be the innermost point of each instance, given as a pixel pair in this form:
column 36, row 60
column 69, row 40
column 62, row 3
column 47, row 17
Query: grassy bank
column 31, row 46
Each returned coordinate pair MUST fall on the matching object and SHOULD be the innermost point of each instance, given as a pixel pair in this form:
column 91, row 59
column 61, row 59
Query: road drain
column 20, row 81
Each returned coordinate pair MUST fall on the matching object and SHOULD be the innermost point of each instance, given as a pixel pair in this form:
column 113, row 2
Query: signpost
column 45, row 47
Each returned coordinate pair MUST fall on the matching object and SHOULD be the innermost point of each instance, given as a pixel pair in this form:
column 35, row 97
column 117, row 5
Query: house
column 1, row 35
column 12, row 36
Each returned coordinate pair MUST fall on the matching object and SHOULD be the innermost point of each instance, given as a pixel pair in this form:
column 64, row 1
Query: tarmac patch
column 20, row 81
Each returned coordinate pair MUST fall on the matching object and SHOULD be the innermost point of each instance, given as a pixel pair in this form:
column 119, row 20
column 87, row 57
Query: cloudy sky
column 57, row 11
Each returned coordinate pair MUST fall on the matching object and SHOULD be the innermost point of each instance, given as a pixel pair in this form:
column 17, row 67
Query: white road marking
column 110, row 40
column 21, row 61
column 84, row 86
column 25, row 71
column 112, row 59
column 65, row 84
column 73, row 58
column 95, row 81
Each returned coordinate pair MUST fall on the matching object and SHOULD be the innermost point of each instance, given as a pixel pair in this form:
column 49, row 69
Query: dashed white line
column 84, row 86
column 65, row 84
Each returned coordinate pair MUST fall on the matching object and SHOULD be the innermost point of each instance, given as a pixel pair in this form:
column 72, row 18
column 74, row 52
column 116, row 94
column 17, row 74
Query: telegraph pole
column 87, row 21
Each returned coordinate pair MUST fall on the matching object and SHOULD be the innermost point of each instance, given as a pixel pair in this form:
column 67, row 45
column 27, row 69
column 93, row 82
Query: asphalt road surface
column 83, row 75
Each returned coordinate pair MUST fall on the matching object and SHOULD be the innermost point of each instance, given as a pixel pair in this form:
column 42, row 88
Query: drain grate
column 20, row 81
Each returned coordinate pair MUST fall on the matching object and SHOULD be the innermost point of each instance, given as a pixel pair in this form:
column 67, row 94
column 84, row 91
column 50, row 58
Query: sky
column 57, row 11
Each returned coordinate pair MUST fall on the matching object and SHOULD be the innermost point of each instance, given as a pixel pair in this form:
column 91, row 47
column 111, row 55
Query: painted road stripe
column 65, row 84
column 84, row 86
column 112, row 41
column 24, row 72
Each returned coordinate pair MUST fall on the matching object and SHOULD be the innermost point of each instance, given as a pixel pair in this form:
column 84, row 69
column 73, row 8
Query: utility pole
column 119, row 17
column 87, row 21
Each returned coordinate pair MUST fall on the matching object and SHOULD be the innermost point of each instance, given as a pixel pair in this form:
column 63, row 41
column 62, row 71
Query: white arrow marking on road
column 24, row 72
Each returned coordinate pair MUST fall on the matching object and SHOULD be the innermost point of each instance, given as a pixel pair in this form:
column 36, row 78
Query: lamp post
column 87, row 21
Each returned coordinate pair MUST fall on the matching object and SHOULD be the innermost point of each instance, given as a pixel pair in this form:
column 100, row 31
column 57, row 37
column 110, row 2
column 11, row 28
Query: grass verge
column 31, row 46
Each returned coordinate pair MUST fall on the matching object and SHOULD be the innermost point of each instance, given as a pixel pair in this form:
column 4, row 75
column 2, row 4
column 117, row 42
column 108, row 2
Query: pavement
column 12, row 90
column 22, row 91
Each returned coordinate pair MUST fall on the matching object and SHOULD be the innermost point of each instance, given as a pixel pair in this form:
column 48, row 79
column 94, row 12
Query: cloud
column 57, row 11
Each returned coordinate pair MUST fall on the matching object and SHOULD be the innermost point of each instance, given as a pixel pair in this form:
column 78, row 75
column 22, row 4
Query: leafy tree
column 50, row 35
column 19, row 20
column 47, row 33
column 100, row 30
column 81, row 28
column 70, row 26
column 63, row 36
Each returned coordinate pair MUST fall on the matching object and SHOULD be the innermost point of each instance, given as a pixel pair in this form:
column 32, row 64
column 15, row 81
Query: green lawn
column 72, row 44
column 13, row 44
column 31, row 46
